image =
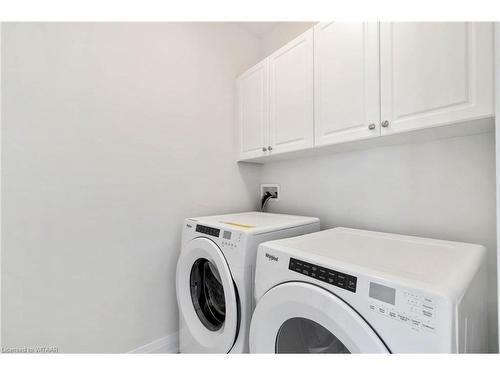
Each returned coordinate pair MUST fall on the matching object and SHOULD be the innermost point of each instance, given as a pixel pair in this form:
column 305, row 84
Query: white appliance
column 354, row 291
column 214, row 280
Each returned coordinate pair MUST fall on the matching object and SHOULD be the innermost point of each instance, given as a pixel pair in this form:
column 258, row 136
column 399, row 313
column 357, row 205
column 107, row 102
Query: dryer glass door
column 298, row 317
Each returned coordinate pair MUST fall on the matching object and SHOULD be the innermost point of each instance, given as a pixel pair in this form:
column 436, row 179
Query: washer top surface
column 255, row 222
column 430, row 261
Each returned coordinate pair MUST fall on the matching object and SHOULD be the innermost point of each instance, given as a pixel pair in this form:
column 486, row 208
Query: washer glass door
column 207, row 294
column 207, row 299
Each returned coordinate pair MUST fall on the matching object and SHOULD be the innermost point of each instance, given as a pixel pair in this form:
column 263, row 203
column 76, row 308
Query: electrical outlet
column 271, row 188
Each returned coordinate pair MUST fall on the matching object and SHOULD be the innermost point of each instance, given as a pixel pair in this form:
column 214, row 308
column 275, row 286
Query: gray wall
column 112, row 134
column 442, row 189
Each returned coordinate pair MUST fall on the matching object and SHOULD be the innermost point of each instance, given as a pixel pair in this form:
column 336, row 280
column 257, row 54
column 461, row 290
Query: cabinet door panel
column 346, row 81
column 433, row 73
column 253, row 111
column 291, row 93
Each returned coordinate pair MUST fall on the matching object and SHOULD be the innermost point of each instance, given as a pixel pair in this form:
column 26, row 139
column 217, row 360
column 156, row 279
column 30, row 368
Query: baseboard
column 167, row 344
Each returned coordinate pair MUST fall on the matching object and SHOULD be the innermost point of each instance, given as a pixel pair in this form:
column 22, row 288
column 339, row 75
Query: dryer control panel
column 327, row 275
column 412, row 309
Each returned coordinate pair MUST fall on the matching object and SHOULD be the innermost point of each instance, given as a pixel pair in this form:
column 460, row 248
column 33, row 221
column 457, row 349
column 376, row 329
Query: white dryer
column 214, row 280
column 353, row 291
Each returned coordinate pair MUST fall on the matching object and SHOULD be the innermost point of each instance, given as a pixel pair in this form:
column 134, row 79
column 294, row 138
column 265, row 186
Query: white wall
column 111, row 135
column 281, row 34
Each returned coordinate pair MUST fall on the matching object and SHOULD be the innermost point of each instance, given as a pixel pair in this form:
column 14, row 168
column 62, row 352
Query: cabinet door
column 346, row 82
column 433, row 73
column 291, row 95
column 253, row 111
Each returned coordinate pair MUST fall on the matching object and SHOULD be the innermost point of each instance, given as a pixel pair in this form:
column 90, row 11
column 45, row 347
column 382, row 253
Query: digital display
column 226, row 235
column 382, row 293
column 207, row 230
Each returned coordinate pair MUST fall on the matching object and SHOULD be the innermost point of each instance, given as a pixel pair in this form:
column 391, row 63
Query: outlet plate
column 273, row 188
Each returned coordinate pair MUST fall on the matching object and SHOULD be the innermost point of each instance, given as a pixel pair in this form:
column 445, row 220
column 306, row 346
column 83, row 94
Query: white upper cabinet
column 346, row 82
column 253, row 111
column 341, row 82
column 291, row 95
column 435, row 73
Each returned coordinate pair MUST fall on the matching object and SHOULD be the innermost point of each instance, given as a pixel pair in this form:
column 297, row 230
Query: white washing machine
column 353, row 291
column 214, row 280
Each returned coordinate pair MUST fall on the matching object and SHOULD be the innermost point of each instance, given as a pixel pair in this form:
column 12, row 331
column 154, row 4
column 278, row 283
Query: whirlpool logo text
column 271, row 257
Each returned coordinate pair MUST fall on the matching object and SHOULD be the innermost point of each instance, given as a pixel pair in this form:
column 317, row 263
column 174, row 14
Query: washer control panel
column 414, row 310
column 230, row 239
column 339, row 279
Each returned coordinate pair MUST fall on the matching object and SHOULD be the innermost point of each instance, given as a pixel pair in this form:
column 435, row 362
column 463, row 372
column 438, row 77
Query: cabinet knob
column 385, row 124
column 371, row 126
column 269, row 148
column 264, row 149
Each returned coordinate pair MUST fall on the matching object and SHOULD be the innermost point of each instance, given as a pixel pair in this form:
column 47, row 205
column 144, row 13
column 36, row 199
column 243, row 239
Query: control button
column 393, row 314
column 372, row 307
column 339, row 279
column 428, row 314
column 415, row 323
column 428, row 327
column 403, row 318
column 340, row 283
column 381, row 310
column 351, row 284
column 412, row 301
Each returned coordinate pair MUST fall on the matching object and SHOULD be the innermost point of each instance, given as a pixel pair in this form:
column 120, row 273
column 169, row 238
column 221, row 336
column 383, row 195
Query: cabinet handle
column 269, row 148
column 385, row 124
column 264, row 149
column 371, row 126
